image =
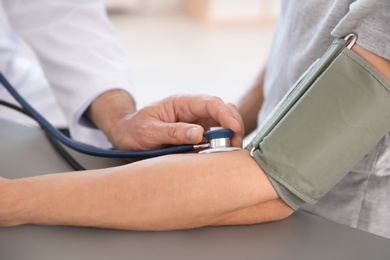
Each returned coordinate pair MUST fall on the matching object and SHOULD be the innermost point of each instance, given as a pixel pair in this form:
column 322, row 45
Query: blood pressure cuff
column 333, row 115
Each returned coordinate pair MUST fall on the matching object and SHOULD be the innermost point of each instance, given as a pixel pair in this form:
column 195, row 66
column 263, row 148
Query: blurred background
column 194, row 46
column 214, row 47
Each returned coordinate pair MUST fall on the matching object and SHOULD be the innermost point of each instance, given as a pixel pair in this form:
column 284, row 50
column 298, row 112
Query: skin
column 379, row 63
column 251, row 103
column 179, row 119
column 171, row 192
column 165, row 193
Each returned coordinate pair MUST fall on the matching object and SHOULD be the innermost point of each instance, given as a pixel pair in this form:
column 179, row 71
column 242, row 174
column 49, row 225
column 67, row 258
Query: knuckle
column 232, row 106
column 173, row 131
column 176, row 98
column 214, row 101
column 215, row 106
column 143, row 136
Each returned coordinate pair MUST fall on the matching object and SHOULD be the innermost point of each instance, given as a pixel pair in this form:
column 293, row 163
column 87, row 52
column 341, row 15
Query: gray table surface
column 24, row 151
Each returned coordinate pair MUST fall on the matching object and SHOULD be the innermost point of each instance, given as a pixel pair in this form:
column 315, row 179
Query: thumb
column 181, row 133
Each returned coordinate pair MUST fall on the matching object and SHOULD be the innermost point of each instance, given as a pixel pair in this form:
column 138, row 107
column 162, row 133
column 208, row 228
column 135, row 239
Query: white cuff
column 84, row 131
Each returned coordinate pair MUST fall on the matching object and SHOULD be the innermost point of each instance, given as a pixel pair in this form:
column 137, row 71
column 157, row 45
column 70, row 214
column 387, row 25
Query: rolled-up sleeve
column 370, row 20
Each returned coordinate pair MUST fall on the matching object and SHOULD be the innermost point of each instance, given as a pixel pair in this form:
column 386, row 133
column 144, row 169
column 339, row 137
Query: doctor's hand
column 179, row 119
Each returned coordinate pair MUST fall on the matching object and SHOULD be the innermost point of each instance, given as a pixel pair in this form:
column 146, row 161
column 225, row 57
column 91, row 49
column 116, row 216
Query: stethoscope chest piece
column 219, row 140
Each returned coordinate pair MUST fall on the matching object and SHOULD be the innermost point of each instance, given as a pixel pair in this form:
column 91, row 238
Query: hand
column 179, row 119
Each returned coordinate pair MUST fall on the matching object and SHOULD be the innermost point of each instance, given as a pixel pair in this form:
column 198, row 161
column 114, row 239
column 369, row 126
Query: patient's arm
column 379, row 63
column 170, row 192
column 250, row 103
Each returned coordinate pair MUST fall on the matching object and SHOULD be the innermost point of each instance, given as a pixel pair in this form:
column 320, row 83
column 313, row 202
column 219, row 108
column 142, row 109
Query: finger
column 179, row 133
column 238, row 136
column 192, row 108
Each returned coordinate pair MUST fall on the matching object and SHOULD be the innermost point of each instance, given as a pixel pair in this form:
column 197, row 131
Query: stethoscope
column 219, row 138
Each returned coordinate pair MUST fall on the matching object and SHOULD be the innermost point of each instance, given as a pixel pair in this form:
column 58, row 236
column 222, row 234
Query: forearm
column 379, row 63
column 250, row 104
column 172, row 192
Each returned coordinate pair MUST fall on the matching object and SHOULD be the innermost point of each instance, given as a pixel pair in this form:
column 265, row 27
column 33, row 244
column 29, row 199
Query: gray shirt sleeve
column 371, row 21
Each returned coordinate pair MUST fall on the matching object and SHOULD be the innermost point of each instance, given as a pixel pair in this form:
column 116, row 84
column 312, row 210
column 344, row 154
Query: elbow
column 273, row 210
column 281, row 210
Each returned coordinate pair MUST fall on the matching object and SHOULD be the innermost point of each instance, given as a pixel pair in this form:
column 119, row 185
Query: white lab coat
column 79, row 53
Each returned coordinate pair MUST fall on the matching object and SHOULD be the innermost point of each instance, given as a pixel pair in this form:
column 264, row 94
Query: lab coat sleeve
column 79, row 51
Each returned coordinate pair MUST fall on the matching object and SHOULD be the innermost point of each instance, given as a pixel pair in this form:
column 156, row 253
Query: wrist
column 13, row 206
column 110, row 107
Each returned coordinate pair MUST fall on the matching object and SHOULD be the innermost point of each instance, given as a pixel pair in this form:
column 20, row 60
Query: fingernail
column 192, row 133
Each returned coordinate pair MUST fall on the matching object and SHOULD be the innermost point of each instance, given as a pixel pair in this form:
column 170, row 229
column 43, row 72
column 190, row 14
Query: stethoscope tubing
column 84, row 148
